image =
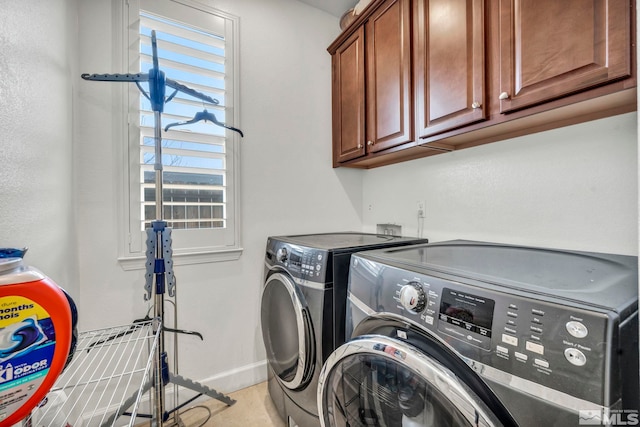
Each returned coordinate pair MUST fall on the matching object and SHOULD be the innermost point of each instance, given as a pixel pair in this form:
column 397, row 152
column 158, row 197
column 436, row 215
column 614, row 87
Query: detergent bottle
column 36, row 334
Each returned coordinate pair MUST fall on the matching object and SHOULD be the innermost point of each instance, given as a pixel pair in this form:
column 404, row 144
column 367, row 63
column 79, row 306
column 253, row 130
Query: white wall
column 574, row 187
column 36, row 200
column 287, row 184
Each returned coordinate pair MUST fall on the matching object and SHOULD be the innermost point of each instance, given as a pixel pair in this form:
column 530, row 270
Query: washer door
column 375, row 380
column 287, row 331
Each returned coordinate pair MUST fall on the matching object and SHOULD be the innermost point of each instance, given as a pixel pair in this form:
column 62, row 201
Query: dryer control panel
column 562, row 345
column 300, row 261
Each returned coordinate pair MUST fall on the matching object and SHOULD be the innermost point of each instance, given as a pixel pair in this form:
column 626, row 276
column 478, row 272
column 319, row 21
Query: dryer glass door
column 380, row 381
column 287, row 331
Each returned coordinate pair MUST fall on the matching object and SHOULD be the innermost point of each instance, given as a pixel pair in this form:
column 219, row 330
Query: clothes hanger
column 207, row 117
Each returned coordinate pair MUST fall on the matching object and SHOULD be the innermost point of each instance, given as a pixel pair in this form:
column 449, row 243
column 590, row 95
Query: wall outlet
column 420, row 208
column 390, row 229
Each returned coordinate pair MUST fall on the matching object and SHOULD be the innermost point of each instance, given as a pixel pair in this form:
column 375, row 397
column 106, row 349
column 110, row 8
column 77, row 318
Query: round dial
column 412, row 297
column 282, row 255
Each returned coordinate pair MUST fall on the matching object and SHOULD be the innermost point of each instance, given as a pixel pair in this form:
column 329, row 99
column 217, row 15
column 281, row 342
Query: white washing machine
column 478, row 334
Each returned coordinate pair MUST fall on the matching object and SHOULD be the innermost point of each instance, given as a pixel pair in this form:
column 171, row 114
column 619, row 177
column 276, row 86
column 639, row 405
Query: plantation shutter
column 193, row 155
column 196, row 46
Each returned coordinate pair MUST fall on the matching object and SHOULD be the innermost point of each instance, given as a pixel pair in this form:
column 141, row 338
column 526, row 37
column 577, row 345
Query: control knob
column 282, row 255
column 412, row 297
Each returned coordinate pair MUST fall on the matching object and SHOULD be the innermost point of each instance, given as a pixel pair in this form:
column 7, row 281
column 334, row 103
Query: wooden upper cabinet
column 449, row 64
column 372, row 98
column 551, row 48
column 389, row 87
column 414, row 78
column 348, row 98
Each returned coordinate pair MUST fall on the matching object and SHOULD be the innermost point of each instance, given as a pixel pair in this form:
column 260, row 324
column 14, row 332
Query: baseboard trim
column 237, row 379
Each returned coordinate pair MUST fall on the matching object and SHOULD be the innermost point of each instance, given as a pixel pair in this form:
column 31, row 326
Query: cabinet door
column 389, row 87
column 449, row 64
column 551, row 48
column 349, row 98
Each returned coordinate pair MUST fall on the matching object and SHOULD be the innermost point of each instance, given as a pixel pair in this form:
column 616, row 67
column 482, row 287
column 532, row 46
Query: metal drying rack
column 108, row 345
column 108, row 366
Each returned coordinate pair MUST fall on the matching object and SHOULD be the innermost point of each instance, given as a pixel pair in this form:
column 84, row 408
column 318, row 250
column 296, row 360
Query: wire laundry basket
column 105, row 382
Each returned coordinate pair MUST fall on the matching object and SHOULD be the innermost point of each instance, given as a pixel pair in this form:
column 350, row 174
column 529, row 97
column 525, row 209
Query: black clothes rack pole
column 159, row 253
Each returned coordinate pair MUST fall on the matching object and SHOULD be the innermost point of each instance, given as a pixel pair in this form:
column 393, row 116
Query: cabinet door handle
column 370, row 143
column 359, row 145
column 475, row 105
column 504, row 95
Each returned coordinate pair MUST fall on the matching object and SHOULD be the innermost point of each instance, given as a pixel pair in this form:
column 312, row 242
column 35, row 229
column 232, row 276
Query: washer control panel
column 300, row 261
column 558, row 344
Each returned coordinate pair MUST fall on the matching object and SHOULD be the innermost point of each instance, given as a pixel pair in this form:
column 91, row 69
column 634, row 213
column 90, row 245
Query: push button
column 508, row 339
column 542, row 363
column 501, row 349
column 577, row 329
column 521, row 356
column 575, row 356
column 534, row 347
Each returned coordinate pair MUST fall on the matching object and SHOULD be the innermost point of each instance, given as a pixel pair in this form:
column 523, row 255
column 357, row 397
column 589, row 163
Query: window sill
column 130, row 263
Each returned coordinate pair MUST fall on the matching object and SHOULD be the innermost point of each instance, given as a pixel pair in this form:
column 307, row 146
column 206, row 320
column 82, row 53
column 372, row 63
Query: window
column 196, row 47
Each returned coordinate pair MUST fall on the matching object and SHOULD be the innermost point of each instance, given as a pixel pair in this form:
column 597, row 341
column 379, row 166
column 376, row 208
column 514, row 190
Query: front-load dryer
column 478, row 334
column 303, row 312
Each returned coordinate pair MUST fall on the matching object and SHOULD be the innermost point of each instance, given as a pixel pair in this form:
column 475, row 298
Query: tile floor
column 252, row 409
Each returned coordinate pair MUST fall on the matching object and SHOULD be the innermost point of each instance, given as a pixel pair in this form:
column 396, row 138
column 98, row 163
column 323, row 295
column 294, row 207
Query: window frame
column 190, row 246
